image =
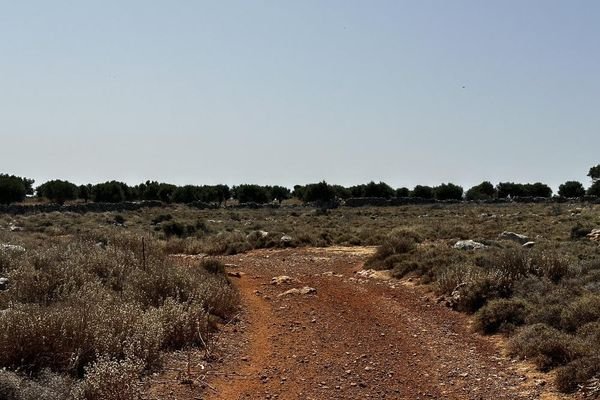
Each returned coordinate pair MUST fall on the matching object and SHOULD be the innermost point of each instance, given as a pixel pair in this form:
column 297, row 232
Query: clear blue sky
column 286, row 92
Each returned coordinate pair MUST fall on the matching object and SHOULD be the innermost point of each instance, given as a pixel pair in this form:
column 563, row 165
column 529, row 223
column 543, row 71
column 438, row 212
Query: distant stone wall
column 17, row 209
column 400, row 201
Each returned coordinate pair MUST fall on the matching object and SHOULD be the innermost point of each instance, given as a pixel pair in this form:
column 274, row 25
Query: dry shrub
column 226, row 243
column 213, row 266
column 547, row 347
column 112, row 379
column 580, row 312
column 47, row 386
column 550, row 265
column 590, row 333
column 501, row 315
column 577, row 373
column 88, row 311
column 472, row 286
column 398, row 242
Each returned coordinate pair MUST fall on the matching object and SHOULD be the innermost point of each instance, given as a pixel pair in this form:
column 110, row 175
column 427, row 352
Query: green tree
column 537, row 189
column 571, row 189
column 594, row 190
column 223, row 193
column 424, row 192
column 594, row 173
column 250, row 193
column 380, row 189
column 279, row 193
column 319, row 192
column 448, row 191
column 357, row 190
column 341, row 192
column 511, row 189
column 58, row 191
column 402, row 192
column 484, row 191
column 109, row 192
column 12, row 188
column 84, row 192
column 186, row 194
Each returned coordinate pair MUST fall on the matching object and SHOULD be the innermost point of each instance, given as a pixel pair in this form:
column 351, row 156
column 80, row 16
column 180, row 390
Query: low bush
column 577, row 373
column 578, row 232
column 46, row 386
column 583, row 310
column 501, row 315
column 397, row 242
column 113, row 379
column 103, row 314
column 213, row 266
column 547, row 347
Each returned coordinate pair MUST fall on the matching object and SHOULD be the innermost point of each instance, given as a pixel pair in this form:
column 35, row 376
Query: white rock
column 12, row 247
column 529, row 245
column 515, row 237
column 594, row 235
column 469, row 245
column 301, row 291
column 373, row 274
column 286, row 239
column 278, row 280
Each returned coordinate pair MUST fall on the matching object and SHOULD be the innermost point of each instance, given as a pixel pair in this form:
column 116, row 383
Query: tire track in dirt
column 258, row 318
column 354, row 339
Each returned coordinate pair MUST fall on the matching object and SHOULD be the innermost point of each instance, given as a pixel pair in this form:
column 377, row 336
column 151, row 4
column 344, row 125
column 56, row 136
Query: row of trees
column 15, row 189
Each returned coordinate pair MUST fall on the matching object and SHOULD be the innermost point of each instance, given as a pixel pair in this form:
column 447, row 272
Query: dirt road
column 354, row 338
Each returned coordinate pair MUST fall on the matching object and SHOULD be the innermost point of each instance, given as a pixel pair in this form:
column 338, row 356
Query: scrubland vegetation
column 546, row 298
column 86, row 319
column 89, row 310
column 15, row 189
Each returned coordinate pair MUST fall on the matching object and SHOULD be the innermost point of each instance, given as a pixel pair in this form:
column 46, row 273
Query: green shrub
column 545, row 346
column 179, row 229
column 213, row 266
column 584, row 310
column 590, row 332
column 550, row 265
column 577, row 373
column 161, row 218
column 397, row 242
column 578, row 232
column 501, row 315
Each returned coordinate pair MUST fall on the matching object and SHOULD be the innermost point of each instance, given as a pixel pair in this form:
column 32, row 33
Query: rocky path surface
column 352, row 338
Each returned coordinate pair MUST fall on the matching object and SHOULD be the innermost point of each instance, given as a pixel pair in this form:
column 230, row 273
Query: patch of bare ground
column 354, row 338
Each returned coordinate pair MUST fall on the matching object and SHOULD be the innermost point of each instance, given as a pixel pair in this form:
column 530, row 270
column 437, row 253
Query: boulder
column 255, row 235
column 278, row 280
column 594, row 235
column 515, row 237
column 529, row 245
column 383, row 275
column 11, row 248
column 286, row 239
column 302, row 291
column 469, row 245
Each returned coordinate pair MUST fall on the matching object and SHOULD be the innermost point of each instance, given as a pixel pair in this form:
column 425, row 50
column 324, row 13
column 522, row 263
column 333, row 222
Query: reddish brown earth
column 353, row 338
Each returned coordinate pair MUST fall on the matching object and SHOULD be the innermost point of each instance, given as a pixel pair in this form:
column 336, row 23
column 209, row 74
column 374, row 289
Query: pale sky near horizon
column 287, row 92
